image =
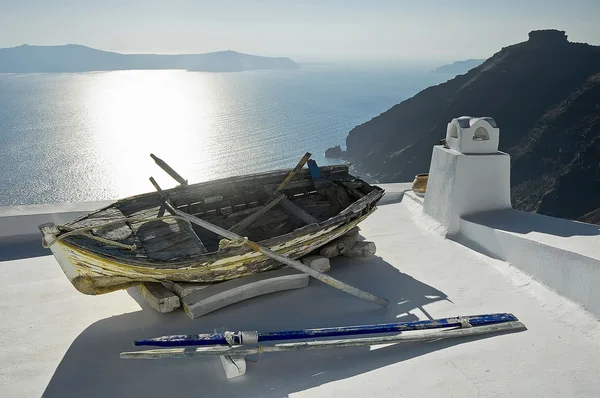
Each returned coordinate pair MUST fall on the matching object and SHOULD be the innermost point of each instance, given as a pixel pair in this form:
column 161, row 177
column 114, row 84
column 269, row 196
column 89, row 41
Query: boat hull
column 93, row 274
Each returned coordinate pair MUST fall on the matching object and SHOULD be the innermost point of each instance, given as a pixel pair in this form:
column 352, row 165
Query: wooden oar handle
column 168, row 169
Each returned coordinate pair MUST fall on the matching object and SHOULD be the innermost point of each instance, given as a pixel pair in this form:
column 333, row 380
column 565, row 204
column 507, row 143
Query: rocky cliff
column 458, row 67
column 545, row 96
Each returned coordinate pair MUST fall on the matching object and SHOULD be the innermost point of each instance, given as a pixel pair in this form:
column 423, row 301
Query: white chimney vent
column 473, row 135
column 468, row 176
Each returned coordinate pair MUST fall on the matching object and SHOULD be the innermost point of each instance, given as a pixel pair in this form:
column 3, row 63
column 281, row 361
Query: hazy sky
column 309, row 30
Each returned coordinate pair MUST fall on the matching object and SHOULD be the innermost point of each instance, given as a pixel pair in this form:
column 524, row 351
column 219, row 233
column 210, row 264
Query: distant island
column 544, row 94
column 78, row 58
column 459, row 67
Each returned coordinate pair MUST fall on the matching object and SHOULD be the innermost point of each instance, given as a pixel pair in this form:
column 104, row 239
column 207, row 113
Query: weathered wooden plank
column 244, row 212
column 340, row 245
column 185, row 289
column 133, row 205
column 298, row 212
column 175, row 247
column 353, row 188
column 272, row 217
column 275, row 216
column 116, row 232
column 242, row 225
column 168, row 239
column 353, row 184
column 293, row 185
column 313, row 205
column 230, row 292
column 293, row 172
column 159, row 297
column 240, row 184
column 147, row 213
column 100, row 217
column 151, row 230
column 108, row 213
column 358, row 206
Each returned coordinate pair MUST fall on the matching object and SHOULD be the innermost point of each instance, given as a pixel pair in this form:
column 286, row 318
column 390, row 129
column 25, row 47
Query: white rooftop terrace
column 58, row 342
column 447, row 255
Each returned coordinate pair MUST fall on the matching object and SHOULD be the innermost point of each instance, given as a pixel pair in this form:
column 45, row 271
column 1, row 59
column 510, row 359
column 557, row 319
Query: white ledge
column 19, row 221
column 563, row 254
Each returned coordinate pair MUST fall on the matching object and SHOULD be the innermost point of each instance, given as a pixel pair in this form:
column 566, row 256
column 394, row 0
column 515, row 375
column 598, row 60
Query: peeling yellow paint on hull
column 93, row 274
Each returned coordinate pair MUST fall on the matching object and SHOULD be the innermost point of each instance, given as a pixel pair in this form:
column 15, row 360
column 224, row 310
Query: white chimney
column 470, row 176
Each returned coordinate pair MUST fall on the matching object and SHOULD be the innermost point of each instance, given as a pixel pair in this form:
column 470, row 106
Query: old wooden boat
column 134, row 240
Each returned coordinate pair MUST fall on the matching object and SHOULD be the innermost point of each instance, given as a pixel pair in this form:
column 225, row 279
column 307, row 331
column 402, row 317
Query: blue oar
column 231, row 338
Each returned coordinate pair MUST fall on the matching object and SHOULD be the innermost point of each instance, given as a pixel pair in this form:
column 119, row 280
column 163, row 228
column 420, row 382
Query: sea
column 87, row 136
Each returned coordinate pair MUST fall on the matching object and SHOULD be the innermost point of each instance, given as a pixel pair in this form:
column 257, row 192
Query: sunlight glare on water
column 87, row 136
column 141, row 112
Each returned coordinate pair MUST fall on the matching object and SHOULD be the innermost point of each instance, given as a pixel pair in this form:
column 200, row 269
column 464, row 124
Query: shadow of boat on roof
column 20, row 247
column 91, row 366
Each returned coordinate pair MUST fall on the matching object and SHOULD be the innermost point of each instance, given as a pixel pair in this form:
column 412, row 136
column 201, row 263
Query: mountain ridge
column 79, row 58
column 545, row 96
column 459, row 67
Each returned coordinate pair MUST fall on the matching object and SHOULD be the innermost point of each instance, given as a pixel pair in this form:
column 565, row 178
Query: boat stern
column 49, row 232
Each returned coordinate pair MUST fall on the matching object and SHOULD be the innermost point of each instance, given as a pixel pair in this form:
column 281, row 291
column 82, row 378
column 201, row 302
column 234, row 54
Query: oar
column 169, row 170
column 292, row 173
column 163, row 195
column 331, row 281
column 237, row 338
column 181, row 352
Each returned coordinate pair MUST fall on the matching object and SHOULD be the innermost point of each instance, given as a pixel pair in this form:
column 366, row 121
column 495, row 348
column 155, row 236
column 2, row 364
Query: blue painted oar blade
column 171, row 341
column 219, row 339
column 475, row 320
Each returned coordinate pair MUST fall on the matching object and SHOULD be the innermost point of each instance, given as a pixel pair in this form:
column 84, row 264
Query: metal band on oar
column 507, row 327
column 251, row 337
column 329, row 280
